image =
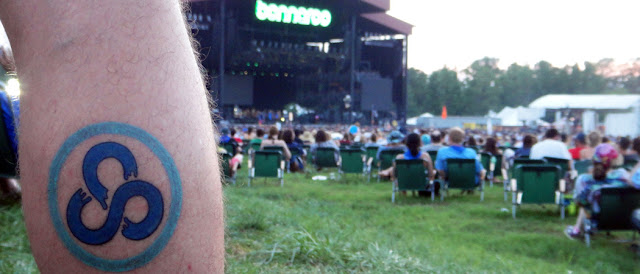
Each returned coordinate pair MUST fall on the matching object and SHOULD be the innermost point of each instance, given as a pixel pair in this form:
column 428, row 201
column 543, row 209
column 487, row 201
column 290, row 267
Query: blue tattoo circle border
column 169, row 165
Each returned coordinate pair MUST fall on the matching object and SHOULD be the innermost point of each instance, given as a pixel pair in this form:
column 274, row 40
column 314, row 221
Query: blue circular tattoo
column 127, row 190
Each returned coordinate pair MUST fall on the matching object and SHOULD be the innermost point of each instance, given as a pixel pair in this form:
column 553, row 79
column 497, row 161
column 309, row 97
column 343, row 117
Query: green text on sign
column 292, row 14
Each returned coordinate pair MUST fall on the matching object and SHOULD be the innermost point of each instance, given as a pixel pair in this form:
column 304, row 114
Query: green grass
column 351, row 226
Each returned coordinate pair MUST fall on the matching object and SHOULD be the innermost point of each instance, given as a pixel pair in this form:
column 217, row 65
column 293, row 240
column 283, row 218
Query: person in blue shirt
column 412, row 152
column 455, row 150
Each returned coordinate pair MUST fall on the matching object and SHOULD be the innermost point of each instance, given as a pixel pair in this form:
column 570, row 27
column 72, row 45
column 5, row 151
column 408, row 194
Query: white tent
column 512, row 117
column 588, row 101
column 414, row 120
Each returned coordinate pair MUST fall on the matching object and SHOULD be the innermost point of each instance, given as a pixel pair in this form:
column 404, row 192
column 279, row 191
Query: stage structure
column 265, row 54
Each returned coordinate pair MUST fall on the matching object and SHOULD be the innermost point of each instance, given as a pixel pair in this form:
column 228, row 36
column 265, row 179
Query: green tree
column 417, row 93
column 481, row 88
column 445, row 89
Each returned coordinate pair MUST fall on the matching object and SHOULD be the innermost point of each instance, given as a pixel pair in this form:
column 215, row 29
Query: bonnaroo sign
column 292, row 14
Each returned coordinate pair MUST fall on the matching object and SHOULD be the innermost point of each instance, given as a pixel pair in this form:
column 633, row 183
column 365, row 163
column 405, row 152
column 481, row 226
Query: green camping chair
column 273, row 148
column 228, row 147
column 537, row 184
column 461, row 174
column 325, row 158
column 616, row 206
column 267, row 164
column 511, row 171
column 226, row 168
column 352, row 161
column 433, row 154
column 371, row 152
column 629, row 164
column 411, row 175
column 582, row 167
column 563, row 164
column 491, row 164
column 387, row 157
column 254, row 146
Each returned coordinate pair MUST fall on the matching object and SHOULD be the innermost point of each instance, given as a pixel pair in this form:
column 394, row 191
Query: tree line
column 483, row 86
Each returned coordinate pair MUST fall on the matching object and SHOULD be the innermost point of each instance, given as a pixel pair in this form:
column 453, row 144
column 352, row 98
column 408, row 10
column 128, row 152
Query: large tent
column 513, row 117
column 414, row 120
column 621, row 112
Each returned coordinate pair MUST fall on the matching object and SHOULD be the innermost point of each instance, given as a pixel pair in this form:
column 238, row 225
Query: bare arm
column 114, row 114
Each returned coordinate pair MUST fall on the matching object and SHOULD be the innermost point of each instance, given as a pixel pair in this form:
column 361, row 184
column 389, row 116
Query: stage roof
column 591, row 101
column 389, row 22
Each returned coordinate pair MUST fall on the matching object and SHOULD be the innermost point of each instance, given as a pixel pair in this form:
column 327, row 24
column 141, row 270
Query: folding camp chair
column 411, row 175
column 371, row 152
column 629, row 164
column 491, row 164
column 582, row 167
column 537, row 184
column 386, row 158
column 461, row 174
column 616, row 207
column 325, row 158
column 228, row 147
column 253, row 147
column 511, row 172
column 267, row 164
column 352, row 161
column 226, row 168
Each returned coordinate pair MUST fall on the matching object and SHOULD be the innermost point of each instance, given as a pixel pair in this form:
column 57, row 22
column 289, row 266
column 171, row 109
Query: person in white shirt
column 551, row 146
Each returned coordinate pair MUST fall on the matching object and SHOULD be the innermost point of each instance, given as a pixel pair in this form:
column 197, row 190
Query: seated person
column 298, row 153
column 587, row 189
column 372, row 140
column 436, row 142
column 235, row 162
column 426, row 140
column 323, row 140
column 257, row 138
column 629, row 155
column 412, row 152
column 272, row 140
column 491, row 147
column 593, row 140
column 580, row 143
column 525, row 150
column 551, row 146
column 457, row 151
column 394, row 139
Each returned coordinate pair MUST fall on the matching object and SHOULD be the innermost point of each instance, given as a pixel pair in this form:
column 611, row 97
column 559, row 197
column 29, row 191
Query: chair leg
column 505, row 191
column 514, row 205
column 482, row 192
column 393, row 193
column 433, row 192
column 562, row 207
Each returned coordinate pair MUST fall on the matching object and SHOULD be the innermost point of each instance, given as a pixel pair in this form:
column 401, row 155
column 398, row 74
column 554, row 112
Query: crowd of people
column 613, row 160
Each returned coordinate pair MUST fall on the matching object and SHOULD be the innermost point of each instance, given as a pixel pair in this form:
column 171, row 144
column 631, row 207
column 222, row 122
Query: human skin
column 132, row 62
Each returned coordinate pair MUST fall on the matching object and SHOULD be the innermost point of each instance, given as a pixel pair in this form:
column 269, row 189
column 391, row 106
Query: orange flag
column 444, row 112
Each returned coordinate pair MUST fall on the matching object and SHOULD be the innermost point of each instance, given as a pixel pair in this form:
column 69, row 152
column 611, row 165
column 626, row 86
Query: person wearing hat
column 587, row 188
column 426, row 140
column 580, row 143
column 395, row 139
column 436, row 142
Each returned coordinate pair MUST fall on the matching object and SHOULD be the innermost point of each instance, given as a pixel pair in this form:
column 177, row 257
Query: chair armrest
column 282, row 164
column 514, row 185
column 563, row 185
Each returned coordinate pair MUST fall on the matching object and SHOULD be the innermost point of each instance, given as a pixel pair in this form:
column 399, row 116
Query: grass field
column 351, row 226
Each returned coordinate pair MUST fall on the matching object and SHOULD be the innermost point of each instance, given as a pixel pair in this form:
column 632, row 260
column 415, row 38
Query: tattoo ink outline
column 115, row 128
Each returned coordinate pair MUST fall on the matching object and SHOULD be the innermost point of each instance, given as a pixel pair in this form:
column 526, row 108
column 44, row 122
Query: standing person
column 99, row 80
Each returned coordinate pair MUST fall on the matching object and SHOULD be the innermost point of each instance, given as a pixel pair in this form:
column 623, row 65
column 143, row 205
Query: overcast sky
column 454, row 33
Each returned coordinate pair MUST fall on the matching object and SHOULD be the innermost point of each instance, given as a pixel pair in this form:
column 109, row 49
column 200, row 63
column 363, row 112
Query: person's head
column 288, row 136
column 625, row 143
column 580, row 139
column 552, row 133
column 456, row 136
column 564, row 137
column 321, row 136
column 298, row 132
column 374, row 138
column 413, row 143
column 528, row 141
column 233, row 132
column 436, row 137
column 636, row 145
column 260, row 133
column 471, row 142
column 491, row 145
column 594, row 139
column 273, row 132
column 225, row 132
column 395, row 137
column 426, row 139
column 249, row 130
column 603, row 159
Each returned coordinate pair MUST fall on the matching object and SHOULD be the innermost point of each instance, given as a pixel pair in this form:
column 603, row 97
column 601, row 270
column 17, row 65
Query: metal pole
column 222, row 39
column 352, row 79
column 403, row 105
